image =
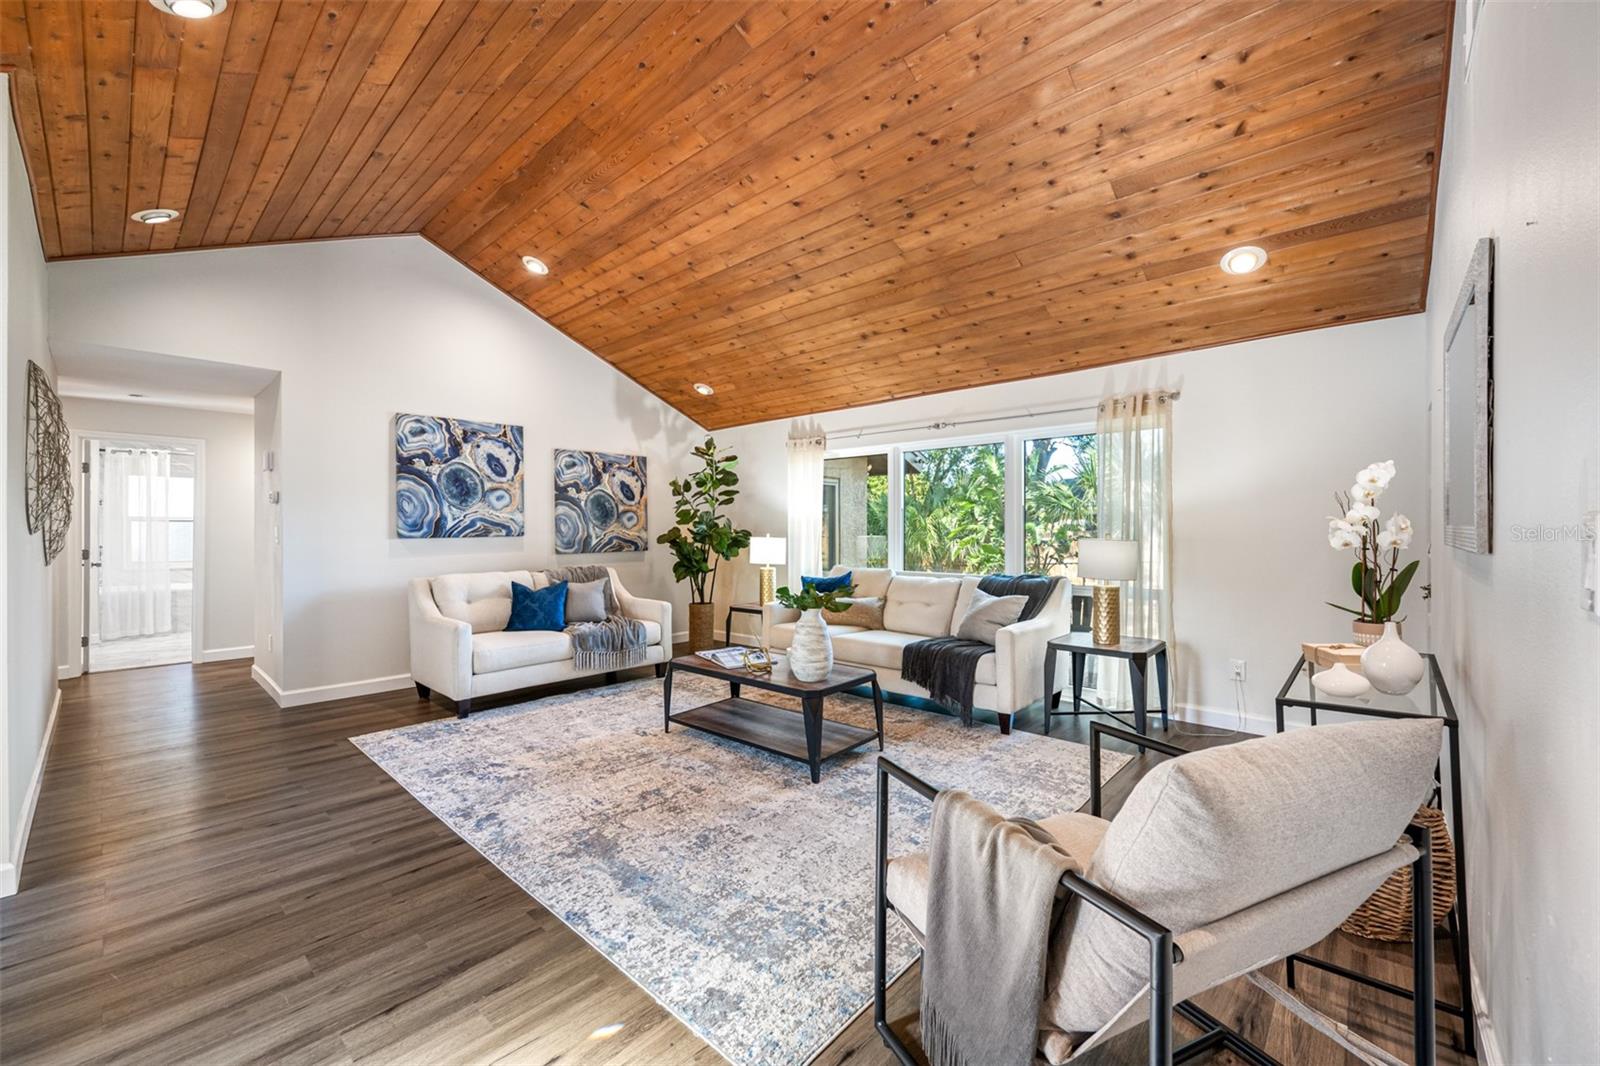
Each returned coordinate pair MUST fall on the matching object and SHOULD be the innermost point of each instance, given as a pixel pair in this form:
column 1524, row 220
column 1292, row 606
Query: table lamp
column 766, row 552
column 1108, row 562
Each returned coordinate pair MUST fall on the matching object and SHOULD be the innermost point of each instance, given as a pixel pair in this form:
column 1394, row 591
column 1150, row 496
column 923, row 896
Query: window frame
column 1012, row 444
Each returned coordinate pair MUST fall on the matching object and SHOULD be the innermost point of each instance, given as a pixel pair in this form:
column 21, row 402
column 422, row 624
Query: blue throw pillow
column 544, row 608
column 827, row 584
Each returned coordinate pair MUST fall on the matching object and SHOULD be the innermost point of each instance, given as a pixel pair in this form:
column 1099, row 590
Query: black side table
column 1430, row 699
column 739, row 608
column 1137, row 650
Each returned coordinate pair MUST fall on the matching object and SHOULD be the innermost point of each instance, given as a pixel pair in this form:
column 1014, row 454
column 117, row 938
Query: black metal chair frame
column 1164, row 953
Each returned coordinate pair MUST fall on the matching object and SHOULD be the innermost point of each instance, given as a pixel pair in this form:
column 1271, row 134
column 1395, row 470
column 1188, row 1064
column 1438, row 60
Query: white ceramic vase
column 1341, row 681
column 811, row 653
column 1392, row 665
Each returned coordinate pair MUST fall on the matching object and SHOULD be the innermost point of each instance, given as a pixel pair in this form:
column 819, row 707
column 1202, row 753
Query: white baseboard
column 67, row 673
column 300, row 697
column 217, row 655
column 1489, row 1053
column 11, row 871
column 1222, row 718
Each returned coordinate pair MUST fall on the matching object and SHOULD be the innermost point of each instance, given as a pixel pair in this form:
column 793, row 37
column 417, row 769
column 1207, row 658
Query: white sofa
column 460, row 647
column 919, row 606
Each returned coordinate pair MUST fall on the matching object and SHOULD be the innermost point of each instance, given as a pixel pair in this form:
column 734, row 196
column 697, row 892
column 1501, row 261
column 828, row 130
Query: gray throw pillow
column 987, row 615
column 586, row 601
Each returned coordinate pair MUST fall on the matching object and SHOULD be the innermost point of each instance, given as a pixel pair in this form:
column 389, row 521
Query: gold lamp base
column 769, row 578
column 1107, row 623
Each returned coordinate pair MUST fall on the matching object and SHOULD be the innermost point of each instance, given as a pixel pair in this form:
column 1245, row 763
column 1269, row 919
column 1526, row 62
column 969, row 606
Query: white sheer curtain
column 136, row 568
column 1134, row 454
column 807, row 449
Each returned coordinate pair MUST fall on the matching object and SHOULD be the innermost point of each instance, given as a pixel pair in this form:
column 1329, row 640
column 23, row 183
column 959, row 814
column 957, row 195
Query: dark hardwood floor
column 212, row 879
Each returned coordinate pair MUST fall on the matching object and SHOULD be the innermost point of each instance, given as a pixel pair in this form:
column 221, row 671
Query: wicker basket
column 1386, row 915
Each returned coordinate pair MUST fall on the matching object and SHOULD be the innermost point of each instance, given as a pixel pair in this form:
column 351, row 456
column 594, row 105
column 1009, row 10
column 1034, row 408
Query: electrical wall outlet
column 1236, row 669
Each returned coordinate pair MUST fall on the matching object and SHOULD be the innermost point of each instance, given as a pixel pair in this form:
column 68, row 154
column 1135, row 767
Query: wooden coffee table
column 806, row 736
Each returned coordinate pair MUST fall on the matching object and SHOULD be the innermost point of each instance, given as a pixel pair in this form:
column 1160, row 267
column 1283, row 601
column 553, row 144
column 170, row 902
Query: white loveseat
column 919, row 606
column 460, row 647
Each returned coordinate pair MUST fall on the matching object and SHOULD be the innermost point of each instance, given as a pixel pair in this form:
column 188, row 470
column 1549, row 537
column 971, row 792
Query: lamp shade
column 1108, row 560
column 768, row 551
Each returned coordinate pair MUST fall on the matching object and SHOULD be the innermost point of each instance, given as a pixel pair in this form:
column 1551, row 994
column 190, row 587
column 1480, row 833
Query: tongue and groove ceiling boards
column 804, row 205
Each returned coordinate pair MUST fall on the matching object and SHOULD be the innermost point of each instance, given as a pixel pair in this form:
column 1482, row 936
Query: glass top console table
column 1430, row 699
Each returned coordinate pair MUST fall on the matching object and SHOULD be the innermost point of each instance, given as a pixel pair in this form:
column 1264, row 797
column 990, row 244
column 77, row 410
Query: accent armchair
column 1220, row 862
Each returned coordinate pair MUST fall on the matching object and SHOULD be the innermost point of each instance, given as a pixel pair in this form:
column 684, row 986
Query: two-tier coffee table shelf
column 806, row 736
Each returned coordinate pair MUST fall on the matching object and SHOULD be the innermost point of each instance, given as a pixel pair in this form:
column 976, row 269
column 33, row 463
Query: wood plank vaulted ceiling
column 806, row 205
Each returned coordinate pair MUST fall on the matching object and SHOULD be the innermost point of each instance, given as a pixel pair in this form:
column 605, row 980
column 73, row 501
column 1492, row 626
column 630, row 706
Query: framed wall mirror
column 1469, row 407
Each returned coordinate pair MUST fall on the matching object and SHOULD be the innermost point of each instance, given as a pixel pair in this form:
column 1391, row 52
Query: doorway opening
column 141, row 574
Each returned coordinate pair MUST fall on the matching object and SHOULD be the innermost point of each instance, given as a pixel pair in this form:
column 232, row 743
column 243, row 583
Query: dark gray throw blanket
column 948, row 666
column 991, row 904
column 614, row 644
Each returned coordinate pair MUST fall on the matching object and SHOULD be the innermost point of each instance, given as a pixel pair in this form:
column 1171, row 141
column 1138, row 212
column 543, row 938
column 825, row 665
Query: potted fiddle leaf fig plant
column 811, row 651
column 704, row 535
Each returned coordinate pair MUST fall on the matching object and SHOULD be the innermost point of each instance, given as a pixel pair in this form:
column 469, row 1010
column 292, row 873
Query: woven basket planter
column 1386, row 915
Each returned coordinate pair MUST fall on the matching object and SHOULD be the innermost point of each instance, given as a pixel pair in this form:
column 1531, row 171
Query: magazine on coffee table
column 733, row 658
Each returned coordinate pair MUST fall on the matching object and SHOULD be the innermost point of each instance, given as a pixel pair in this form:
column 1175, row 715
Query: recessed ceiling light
column 535, row 265
column 154, row 216
column 191, row 9
column 1244, row 260
column 703, row 389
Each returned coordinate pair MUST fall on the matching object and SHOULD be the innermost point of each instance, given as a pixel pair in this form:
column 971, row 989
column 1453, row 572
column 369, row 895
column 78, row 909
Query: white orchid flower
column 1376, row 477
column 1399, row 529
column 1386, row 540
column 1359, row 493
column 1361, row 514
column 1342, row 536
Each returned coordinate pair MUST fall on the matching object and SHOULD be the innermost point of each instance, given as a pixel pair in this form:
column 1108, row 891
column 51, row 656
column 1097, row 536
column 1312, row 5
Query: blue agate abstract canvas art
column 600, row 504
column 457, row 478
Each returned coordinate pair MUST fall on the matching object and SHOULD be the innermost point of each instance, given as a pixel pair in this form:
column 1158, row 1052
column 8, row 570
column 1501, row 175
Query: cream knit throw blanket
column 991, row 904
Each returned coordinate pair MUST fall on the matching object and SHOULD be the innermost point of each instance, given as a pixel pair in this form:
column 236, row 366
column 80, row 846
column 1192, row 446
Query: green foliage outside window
column 1058, row 501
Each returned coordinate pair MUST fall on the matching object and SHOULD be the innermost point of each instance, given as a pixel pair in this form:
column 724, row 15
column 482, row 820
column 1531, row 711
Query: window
column 954, row 509
column 855, row 511
column 1003, row 504
column 1058, row 502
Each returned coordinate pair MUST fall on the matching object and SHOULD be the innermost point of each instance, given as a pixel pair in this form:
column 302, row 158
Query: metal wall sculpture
column 48, row 463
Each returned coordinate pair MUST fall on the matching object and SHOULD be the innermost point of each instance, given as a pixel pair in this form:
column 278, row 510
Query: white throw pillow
column 987, row 615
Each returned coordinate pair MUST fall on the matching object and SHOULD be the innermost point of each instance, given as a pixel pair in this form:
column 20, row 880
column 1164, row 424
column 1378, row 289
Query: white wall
column 1521, row 164
column 361, row 329
column 30, row 673
column 227, row 618
column 1264, row 433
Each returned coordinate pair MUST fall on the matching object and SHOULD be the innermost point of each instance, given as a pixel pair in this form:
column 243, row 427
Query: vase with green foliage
column 811, row 650
column 1380, row 582
column 704, row 535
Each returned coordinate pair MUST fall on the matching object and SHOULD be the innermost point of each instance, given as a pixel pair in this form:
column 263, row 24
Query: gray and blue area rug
column 716, row 876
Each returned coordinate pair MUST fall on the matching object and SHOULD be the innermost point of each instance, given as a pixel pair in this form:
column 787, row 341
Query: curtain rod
column 872, row 431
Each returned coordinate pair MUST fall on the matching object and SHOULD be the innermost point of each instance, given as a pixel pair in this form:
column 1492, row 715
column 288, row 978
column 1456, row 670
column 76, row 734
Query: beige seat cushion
column 907, row 882
column 1214, row 832
column 782, row 634
column 881, row 649
column 494, row 652
column 483, row 601
column 921, row 605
